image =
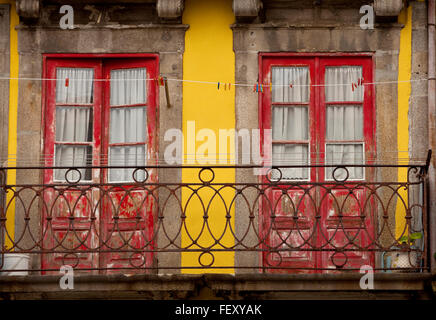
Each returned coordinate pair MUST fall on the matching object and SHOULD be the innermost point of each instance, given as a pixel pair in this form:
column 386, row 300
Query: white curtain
column 128, row 86
column 344, row 122
column 345, row 154
column 339, row 82
column 128, row 124
column 78, row 89
column 290, row 123
column 73, row 123
column 283, row 77
column 73, row 156
column 290, row 154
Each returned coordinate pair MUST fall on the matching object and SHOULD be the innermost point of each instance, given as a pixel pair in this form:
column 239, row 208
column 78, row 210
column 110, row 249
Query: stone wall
column 4, row 84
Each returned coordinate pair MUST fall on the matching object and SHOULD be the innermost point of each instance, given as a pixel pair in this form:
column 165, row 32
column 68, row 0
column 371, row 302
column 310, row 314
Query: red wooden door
column 130, row 118
column 316, row 214
column 346, row 120
column 72, row 139
column 92, row 121
column 289, row 213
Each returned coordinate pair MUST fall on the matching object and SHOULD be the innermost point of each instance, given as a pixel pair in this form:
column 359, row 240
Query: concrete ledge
column 219, row 286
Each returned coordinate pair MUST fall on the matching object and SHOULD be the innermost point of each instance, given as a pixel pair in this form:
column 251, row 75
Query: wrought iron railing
column 260, row 224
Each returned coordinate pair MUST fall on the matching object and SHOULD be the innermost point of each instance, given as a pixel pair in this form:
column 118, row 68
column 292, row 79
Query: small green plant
column 412, row 237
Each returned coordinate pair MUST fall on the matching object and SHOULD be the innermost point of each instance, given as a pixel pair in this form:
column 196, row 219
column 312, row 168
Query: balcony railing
column 259, row 224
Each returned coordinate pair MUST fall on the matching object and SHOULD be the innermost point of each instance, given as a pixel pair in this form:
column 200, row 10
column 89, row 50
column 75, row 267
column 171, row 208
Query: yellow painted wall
column 208, row 56
column 404, row 91
column 13, row 106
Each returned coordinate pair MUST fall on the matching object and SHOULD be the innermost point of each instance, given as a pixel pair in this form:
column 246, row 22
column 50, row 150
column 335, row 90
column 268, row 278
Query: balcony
column 263, row 228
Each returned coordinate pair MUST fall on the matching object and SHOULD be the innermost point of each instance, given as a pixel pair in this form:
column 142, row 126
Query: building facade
column 271, row 143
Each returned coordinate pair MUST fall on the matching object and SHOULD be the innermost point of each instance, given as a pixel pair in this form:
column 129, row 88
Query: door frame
column 47, row 138
column 314, row 142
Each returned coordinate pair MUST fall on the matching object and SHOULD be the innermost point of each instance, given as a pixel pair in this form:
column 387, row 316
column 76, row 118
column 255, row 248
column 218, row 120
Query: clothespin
column 167, row 93
column 229, row 85
column 67, row 82
column 218, row 85
column 290, row 85
column 261, row 87
column 254, row 88
column 270, row 87
column 161, row 81
column 225, row 86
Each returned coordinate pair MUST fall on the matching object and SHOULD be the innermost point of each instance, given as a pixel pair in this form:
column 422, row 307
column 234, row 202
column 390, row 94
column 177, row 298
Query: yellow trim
column 13, row 112
column 404, row 91
column 208, row 56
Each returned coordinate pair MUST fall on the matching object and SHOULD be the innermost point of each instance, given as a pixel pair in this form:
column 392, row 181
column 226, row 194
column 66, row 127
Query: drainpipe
column 431, row 130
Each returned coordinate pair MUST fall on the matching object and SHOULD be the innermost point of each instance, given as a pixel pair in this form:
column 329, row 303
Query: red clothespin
column 290, row 85
column 67, row 82
column 161, row 81
column 254, row 88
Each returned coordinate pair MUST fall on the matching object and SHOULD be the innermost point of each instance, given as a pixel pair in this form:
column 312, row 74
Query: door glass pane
column 128, row 125
column 287, row 154
column 74, row 85
column 344, row 122
column 340, row 154
column 128, row 86
column 73, row 124
column 339, row 83
column 283, row 77
column 290, row 123
column 73, row 156
column 126, row 156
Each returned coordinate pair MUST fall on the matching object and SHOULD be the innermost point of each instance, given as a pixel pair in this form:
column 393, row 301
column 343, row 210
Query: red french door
column 320, row 112
column 129, row 127
column 99, row 112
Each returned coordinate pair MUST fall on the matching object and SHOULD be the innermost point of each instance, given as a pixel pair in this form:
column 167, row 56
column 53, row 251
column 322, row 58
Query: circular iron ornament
column 336, row 263
column 339, row 180
column 73, row 170
column 145, row 175
column 269, row 174
column 269, row 258
column 74, row 256
column 201, row 262
column 201, row 172
column 132, row 260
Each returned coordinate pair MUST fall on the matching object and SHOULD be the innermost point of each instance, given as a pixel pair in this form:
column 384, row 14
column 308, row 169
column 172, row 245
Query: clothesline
column 216, row 83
